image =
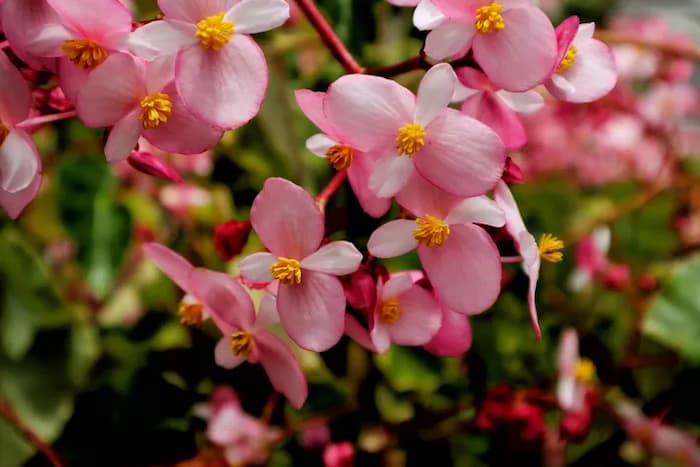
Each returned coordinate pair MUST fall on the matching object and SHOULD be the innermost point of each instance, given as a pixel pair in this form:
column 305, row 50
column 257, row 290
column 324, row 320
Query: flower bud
column 617, row 276
column 230, row 238
column 150, row 165
column 339, row 455
column 512, row 173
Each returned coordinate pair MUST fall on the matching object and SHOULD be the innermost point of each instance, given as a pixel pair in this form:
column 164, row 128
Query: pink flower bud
column 230, row 238
column 360, row 289
column 617, row 276
column 150, row 165
column 512, row 173
column 339, row 455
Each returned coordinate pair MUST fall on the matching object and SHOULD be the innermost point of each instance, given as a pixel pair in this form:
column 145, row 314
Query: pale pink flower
column 22, row 22
column 575, row 373
column 310, row 299
column 496, row 107
column 591, row 258
column 425, row 16
column 182, row 198
column 585, row 66
column 137, row 98
column 459, row 258
column 221, row 72
column 667, row 104
column 513, row 41
column 245, row 337
column 452, row 151
column 342, row 155
column 20, row 164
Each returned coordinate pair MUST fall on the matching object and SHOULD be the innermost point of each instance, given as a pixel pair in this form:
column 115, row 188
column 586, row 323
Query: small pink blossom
column 575, row 373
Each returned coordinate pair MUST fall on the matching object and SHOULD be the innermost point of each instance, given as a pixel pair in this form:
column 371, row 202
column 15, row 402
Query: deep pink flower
column 20, row 164
column 310, row 299
column 452, row 151
column 220, row 71
column 496, row 107
column 137, row 98
column 459, row 258
column 585, row 66
column 513, row 41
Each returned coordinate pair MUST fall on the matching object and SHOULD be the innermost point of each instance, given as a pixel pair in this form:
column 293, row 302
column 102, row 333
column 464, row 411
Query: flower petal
column 320, row 144
column 389, row 175
column 230, row 305
column 123, row 137
column 337, row 258
column 427, row 16
column 434, row 93
column 14, row 203
column 394, row 238
column 19, row 162
column 224, row 356
column 489, row 109
column 398, row 284
column 478, row 210
column 34, row 30
column 282, row 368
column 71, row 78
column 165, row 37
column 177, row 268
column 16, row 98
column 267, row 312
column 565, row 32
column 252, row 16
column 379, row 334
column 194, row 10
column 448, row 39
column 420, row 318
column 311, row 103
column 102, row 16
column 523, row 102
column 313, row 312
column 420, row 197
column 358, row 333
column 358, row 176
column 454, row 337
column 256, row 267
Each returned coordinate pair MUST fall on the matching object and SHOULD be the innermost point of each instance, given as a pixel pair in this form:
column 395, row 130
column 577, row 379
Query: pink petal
column 461, row 9
column 158, row 73
column 194, row 10
column 514, row 221
column 313, row 311
column 112, row 90
column 16, row 99
column 388, row 175
column 252, row 16
column 267, row 312
column 434, row 93
column 398, row 284
column 123, row 137
column 311, row 103
column 71, row 78
column 427, row 16
column 224, row 356
column 420, row 318
column 282, row 368
column 223, row 87
column 171, row 264
column 286, row 219
column 102, row 16
column 32, row 27
column 567, row 354
column 358, row 333
column 474, row 79
column 532, row 269
column 478, row 210
column 14, row 203
column 256, row 267
column 358, row 176
column 421, row 197
column 454, row 336
column 462, row 156
column 404, row 2
column 320, row 144
column 465, row 271
column 19, row 162
column 565, row 32
column 367, row 111
column 165, row 37
column 522, row 102
column 337, row 258
column 394, row 238
column 381, row 339
column 230, row 305
column 522, row 55
column 448, row 39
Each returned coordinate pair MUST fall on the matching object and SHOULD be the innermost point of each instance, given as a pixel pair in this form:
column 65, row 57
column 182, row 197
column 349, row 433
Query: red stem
column 330, row 188
column 329, row 37
column 10, row 415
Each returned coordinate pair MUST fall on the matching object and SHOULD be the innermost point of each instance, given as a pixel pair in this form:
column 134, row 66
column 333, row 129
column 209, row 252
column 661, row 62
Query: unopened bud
column 150, row 165
column 512, row 173
column 230, row 238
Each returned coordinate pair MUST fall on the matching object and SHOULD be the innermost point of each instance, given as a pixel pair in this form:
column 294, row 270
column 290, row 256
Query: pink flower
column 22, row 22
column 310, row 299
column 244, row 334
column 575, row 373
column 512, row 40
column 452, row 151
column 426, row 15
column 20, row 164
column 586, row 67
column 591, row 258
column 139, row 98
column 496, row 107
column 339, row 455
column 220, row 71
column 666, row 104
column 459, row 258
column 341, row 154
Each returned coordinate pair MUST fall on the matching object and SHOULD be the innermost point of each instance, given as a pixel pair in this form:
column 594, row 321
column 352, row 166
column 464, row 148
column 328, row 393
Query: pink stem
column 330, row 188
column 511, row 259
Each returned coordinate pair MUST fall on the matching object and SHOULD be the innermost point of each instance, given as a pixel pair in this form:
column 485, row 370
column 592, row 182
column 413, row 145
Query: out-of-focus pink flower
column 454, row 152
column 459, row 257
column 150, row 165
column 513, row 41
column 666, row 104
column 221, row 73
column 182, row 198
column 339, row 455
column 315, row 437
column 511, row 412
column 20, row 164
column 617, row 276
column 591, row 258
column 341, row 154
column 575, row 373
column 198, row 164
column 230, row 238
column 576, row 424
column 310, row 299
column 496, row 107
column 244, row 333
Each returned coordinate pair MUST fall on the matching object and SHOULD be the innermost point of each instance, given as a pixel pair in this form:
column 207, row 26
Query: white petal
column 435, row 92
column 159, row 38
column 320, row 144
column 426, row 16
column 393, row 239
column 479, row 210
column 256, row 267
column 123, row 137
column 389, row 175
column 224, row 356
column 251, row 16
column 19, row 163
column 337, row 258
column 448, row 39
column 523, row 102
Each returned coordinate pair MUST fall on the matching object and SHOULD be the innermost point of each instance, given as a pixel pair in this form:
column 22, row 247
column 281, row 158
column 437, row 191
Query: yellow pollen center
column 340, row 156
column 410, row 140
column 213, row 32
column 390, row 311
column 85, row 53
column 190, row 313
column 488, row 18
column 431, row 231
column 549, row 248
column 155, row 109
column 568, row 60
column 4, row 131
column 585, row 371
column 242, row 343
column 287, row 270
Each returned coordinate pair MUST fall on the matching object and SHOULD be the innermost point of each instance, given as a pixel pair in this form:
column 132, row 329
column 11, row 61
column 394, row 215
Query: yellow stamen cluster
column 242, row 343
column 431, row 231
column 4, row 131
column 488, row 18
column 390, row 311
column 191, row 313
column 340, row 156
column 85, row 53
column 585, row 371
column 568, row 60
column 213, row 32
column 410, row 140
column 287, row 270
column 155, row 109
column 549, row 248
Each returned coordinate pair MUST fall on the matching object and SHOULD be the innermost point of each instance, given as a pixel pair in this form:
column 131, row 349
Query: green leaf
column 408, row 369
column 14, row 449
column 392, row 408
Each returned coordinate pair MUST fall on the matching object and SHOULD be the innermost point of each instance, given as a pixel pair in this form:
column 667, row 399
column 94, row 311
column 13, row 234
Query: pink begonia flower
column 81, row 38
column 137, row 98
column 183, row 198
column 591, row 258
column 455, row 152
column 531, row 252
column 575, row 373
column 221, row 72
column 20, row 164
column 310, row 299
column 426, row 15
column 586, row 67
column 341, row 154
column 496, row 107
column 459, row 258
column 244, row 333
column 513, row 41
column 22, row 21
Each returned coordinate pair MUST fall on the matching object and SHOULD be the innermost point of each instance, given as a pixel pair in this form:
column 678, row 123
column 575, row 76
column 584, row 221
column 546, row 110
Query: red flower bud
column 512, row 174
column 647, row 283
column 150, row 165
column 230, row 238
